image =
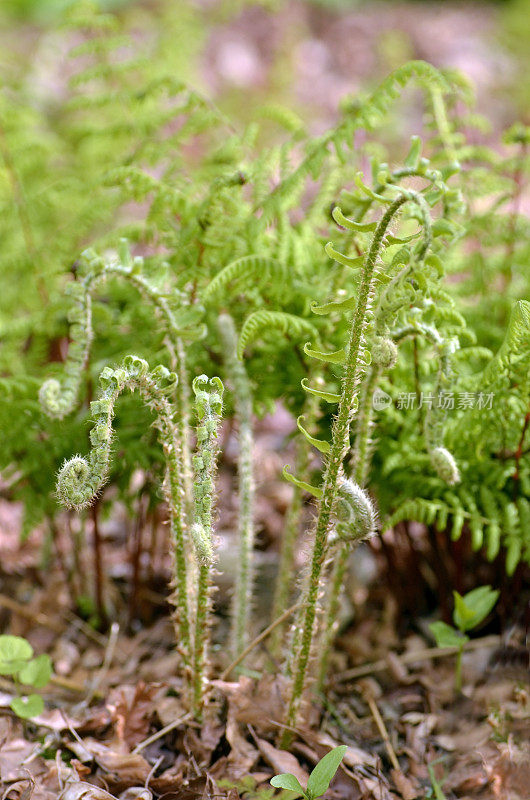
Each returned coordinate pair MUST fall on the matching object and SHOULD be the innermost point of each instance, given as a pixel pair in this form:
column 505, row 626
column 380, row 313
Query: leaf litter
column 116, row 725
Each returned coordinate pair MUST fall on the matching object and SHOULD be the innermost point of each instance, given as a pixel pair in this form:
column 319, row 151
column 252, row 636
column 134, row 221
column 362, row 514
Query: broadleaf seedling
column 17, row 662
column 320, row 778
column 469, row 611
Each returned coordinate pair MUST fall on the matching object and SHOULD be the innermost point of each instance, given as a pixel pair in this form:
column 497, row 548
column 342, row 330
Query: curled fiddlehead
column 355, row 513
column 354, row 371
column 81, row 479
column 444, row 465
column 59, row 397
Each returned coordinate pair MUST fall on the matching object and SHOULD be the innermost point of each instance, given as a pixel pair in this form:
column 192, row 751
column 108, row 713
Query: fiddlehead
column 208, row 408
column 80, row 479
column 354, row 371
column 356, row 517
column 58, row 398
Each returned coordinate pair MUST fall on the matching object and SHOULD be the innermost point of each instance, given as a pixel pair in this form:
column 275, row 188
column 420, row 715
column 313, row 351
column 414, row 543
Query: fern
column 260, row 321
column 420, row 282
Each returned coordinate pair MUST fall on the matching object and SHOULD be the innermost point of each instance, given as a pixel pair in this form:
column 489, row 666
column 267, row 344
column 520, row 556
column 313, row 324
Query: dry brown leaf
column 509, row 771
column 56, row 720
column 80, row 790
column 169, row 708
column 257, row 703
column 243, row 755
column 131, row 708
column 469, row 779
column 12, row 754
column 407, row 789
column 282, row 760
column 353, row 757
column 136, row 793
column 201, row 744
column 122, row 770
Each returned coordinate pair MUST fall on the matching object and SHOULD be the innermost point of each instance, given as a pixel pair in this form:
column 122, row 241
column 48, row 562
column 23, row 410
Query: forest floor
column 116, row 724
column 309, row 56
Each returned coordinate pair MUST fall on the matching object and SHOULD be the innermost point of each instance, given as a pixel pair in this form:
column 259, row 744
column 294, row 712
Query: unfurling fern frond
column 80, row 479
column 356, row 517
column 58, row 398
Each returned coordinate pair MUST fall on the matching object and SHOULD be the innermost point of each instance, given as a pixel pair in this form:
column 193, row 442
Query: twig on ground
column 411, row 658
column 27, row 613
column 162, row 732
column 107, row 661
column 260, row 638
column 378, row 719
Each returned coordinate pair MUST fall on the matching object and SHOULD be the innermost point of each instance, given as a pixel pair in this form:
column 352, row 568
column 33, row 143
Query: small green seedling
column 16, row 660
column 435, row 792
column 469, row 611
column 320, row 778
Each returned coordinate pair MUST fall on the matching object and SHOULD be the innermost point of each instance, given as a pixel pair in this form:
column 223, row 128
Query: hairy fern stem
column 354, row 371
column 284, row 579
column 80, row 480
column 360, row 464
column 236, row 373
column 58, row 398
column 208, row 406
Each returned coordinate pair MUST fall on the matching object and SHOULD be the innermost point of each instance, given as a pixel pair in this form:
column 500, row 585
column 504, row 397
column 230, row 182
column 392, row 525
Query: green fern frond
column 260, row 322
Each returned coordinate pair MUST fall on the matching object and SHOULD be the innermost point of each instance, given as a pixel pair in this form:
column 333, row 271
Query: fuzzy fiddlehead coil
column 58, row 398
column 81, row 479
column 384, row 352
column 356, row 517
column 445, row 465
column 208, row 407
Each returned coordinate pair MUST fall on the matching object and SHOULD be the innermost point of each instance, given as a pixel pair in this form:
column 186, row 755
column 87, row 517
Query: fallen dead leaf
column 122, row 770
column 131, row 708
column 80, row 790
column 509, row 771
column 257, row 703
column 12, row 754
column 136, row 793
column 243, row 755
column 281, row 760
column 407, row 789
column 353, row 757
